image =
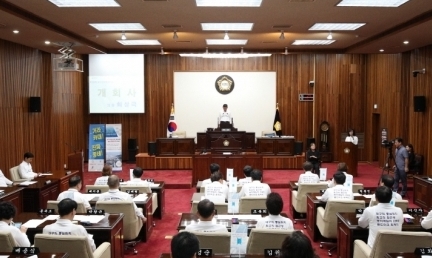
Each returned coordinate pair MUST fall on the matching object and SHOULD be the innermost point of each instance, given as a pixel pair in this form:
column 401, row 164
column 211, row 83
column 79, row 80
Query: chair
column 219, row 242
column 356, row 187
column 403, row 204
column 132, row 224
column 327, row 221
column 389, row 241
column 74, row 246
column 8, row 242
column 260, row 239
column 102, row 188
column 15, row 176
column 221, row 208
column 143, row 190
column 179, row 134
column 246, row 204
column 418, row 167
column 298, row 198
column 54, row 205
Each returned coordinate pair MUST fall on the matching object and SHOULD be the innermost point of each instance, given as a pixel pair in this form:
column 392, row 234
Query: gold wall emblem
column 224, row 84
column 226, row 143
column 347, row 150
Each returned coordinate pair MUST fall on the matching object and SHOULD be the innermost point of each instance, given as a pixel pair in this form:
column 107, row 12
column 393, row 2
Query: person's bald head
column 113, row 182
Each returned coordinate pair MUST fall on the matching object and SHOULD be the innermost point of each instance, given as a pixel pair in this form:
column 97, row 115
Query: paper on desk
column 426, row 256
column 407, row 216
column 140, row 198
column 51, row 217
column 296, row 183
column 154, row 185
column 90, row 197
column 244, row 216
column 318, row 197
column 46, row 174
column 356, row 194
column 369, row 195
column 28, row 183
column 33, row 223
column 89, row 218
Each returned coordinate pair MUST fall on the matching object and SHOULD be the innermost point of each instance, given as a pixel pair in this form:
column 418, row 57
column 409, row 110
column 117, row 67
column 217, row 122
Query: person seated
column 7, row 213
column 297, row 245
column 136, row 178
column 387, row 180
column 4, row 181
column 256, row 188
column 184, row 245
column 308, row 177
column 213, row 168
column 342, row 167
column 106, row 172
column 64, row 226
column 217, row 191
column 75, row 185
column 25, row 169
column 382, row 216
column 114, row 194
column 412, row 163
column 426, row 223
column 314, row 157
column 206, row 212
column 339, row 191
column 246, row 171
column 351, row 137
column 274, row 220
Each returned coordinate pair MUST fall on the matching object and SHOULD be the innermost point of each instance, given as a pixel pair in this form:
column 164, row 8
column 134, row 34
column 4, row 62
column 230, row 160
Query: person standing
column 400, row 167
column 225, row 116
column 351, row 137
column 314, row 157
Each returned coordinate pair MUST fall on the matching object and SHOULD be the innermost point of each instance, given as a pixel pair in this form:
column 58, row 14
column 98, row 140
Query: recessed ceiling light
column 229, row 3
column 140, row 42
column 381, row 50
column 117, row 26
column 406, row 42
column 336, row 26
column 227, row 26
column 372, row 3
column 313, row 42
column 85, row 3
column 15, row 31
column 226, row 41
column 47, row 42
column 224, row 55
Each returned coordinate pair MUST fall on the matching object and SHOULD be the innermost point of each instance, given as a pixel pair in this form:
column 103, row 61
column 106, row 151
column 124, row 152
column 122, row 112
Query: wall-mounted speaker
column 151, row 148
column 298, row 148
column 419, row 103
column 132, row 144
column 34, row 104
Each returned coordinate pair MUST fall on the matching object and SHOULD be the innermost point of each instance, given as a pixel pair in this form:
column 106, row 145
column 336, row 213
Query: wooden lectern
column 76, row 162
column 347, row 153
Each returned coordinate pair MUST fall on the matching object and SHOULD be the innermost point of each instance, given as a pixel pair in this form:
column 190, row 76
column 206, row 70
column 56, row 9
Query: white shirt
column 208, row 181
column 137, row 182
column 275, row 222
column 427, row 222
column 225, row 116
column 20, row 238
column 381, row 216
column 348, row 178
column 308, row 178
column 255, row 189
column 26, row 171
column 339, row 192
column 103, row 180
column 4, row 181
column 74, row 195
column 216, row 192
column 116, row 195
column 395, row 197
column 206, row 226
column 245, row 180
column 65, row 227
column 352, row 139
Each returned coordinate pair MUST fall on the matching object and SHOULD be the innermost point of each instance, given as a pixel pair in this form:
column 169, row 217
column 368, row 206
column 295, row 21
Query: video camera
column 387, row 144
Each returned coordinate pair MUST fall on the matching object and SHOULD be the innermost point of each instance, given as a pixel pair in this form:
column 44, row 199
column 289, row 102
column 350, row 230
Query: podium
column 75, row 161
column 347, row 153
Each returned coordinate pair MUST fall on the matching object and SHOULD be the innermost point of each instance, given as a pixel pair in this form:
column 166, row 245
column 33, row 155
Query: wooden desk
column 175, row 146
column 167, row 255
column 312, row 205
column 160, row 190
column 402, row 255
column 147, row 208
column 275, row 146
column 36, row 196
column 348, row 231
column 13, row 194
column 208, row 139
column 189, row 218
column 40, row 255
column 63, row 179
column 423, row 192
column 196, row 197
column 110, row 230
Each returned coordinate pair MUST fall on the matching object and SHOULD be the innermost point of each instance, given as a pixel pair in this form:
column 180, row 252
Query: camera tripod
column 387, row 164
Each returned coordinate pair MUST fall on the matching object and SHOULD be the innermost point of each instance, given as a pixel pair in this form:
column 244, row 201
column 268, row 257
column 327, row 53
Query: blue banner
column 113, row 145
column 96, row 159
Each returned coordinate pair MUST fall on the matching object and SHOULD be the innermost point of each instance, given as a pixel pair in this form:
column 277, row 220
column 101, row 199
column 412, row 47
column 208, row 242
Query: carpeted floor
column 177, row 200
